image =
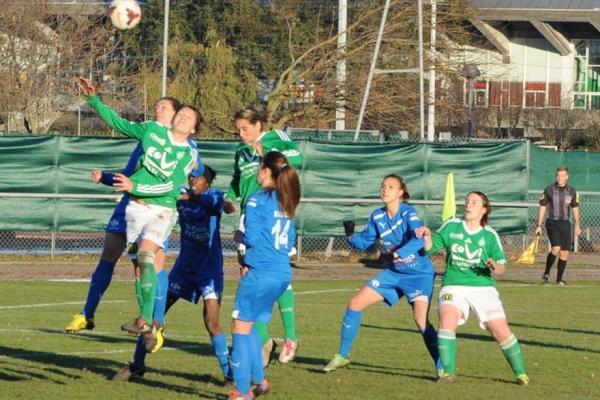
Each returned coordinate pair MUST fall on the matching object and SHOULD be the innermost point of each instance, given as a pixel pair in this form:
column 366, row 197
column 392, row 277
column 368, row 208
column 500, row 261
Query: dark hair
column 486, row 204
column 252, row 115
column 562, row 168
column 176, row 104
column 198, row 116
column 286, row 180
column 209, row 174
column 405, row 194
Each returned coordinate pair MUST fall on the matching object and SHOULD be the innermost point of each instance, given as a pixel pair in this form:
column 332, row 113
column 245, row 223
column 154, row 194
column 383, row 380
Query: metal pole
column 145, row 103
column 431, row 111
column 421, row 76
column 340, row 111
column 363, row 104
column 470, row 110
column 165, row 49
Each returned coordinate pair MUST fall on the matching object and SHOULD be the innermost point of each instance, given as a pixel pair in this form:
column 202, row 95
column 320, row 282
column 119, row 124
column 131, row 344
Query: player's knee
column 146, row 257
column 212, row 326
column 355, row 304
column 421, row 322
column 555, row 251
column 564, row 254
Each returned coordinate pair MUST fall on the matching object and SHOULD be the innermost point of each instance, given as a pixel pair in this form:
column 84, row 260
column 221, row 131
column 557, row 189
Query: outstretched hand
column 422, row 231
column 96, row 175
column 86, row 87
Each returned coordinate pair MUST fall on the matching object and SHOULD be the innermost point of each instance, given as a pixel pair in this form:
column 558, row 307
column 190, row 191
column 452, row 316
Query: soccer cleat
column 445, row 378
column 289, row 351
column 336, row 362
column 135, row 327
column 235, row 395
column 523, row 380
column 129, row 373
column 261, row 389
column 267, row 351
column 79, row 322
column 153, row 338
column 545, row 280
column 561, row 283
column 440, row 373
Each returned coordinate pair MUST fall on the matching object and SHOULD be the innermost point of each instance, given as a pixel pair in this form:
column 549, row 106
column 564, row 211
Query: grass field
column 558, row 328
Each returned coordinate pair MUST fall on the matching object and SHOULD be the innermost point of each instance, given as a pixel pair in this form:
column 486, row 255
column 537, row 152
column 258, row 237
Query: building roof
column 538, row 4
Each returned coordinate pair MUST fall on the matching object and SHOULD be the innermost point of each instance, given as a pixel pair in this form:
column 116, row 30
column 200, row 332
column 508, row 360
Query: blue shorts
column 183, row 287
column 393, row 285
column 116, row 223
column 256, row 295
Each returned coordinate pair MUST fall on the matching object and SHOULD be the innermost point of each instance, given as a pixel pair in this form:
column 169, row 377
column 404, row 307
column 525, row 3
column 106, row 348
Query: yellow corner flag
column 528, row 256
column 449, row 210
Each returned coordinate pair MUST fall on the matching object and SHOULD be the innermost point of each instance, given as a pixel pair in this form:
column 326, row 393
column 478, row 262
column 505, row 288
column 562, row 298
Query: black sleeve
column 545, row 196
column 574, row 199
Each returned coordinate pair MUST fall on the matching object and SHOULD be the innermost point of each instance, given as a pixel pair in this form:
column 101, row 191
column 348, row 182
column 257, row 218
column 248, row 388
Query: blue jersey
column 397, row 235
column 269, row 235
column 201, row 255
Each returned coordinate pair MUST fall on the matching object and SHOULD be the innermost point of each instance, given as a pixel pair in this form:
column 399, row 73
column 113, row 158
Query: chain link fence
column 315, row 249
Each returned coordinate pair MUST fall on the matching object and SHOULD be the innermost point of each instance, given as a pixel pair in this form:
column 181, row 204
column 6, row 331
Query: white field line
column 67, row 303
column 41, row 305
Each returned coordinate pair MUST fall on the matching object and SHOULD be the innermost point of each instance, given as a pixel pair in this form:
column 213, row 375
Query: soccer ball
column 124, row 14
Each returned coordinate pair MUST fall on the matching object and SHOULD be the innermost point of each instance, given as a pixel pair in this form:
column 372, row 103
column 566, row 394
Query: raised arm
column 133, row 130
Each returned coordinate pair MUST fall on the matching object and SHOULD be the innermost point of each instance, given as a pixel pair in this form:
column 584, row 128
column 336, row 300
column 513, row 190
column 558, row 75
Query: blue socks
column 219, row 344
column 241, row 358
column 350, row 326
column 160, row 298
column 256, row 367
column 139, row 357
column 100, row 281
column 431, row 342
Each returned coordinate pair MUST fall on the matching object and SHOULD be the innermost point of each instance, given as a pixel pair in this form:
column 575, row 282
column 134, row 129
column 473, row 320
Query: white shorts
column 149, row 222
column 484, row 301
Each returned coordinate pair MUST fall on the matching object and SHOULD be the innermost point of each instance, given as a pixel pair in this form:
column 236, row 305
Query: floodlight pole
column 470, row 72
column 340, row 110
column 421, row 75
column 165, row 49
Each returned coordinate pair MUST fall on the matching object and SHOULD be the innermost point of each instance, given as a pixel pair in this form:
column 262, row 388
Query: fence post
column 52, row 244
column 299, row 254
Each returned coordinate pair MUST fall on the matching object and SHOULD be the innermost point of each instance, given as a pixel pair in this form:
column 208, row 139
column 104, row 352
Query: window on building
column 587, row 75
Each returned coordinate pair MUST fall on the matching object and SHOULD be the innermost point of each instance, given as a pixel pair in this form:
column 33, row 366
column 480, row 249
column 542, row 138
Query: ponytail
column 287, row 182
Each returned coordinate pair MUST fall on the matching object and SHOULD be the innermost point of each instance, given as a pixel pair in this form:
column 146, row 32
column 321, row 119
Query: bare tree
column 558, row 125
column 42, row 51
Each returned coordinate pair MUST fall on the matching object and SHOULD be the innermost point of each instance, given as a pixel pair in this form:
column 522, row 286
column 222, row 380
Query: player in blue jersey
column 115, row 239
column 409, row 272
column 198, row 270
column 269, row 236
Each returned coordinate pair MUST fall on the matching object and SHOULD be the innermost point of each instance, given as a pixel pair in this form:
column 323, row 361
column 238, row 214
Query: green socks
column 138, row 291
column 287, row 308
column 447, row 348
column 512, row 352
column 147, row 285
column 263, row 331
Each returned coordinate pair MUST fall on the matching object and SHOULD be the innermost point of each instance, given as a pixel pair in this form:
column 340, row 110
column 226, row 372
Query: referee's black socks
column 562, row 265
column 549, row 262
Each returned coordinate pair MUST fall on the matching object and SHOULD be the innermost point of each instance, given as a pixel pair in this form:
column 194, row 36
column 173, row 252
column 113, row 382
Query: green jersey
column 467, row 252
column 247, row 163
column 164, row 163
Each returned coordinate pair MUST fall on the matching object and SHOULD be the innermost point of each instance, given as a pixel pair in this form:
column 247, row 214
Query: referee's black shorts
column 559, row 233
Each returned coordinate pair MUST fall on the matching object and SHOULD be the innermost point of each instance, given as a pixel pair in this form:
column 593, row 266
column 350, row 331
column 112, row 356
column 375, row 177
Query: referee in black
column 558, row 199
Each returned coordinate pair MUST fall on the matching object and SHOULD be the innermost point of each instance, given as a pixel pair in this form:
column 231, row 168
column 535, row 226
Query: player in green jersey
column 474, row 255
column 115, row 239
column 256, row 143
column 166, row 160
